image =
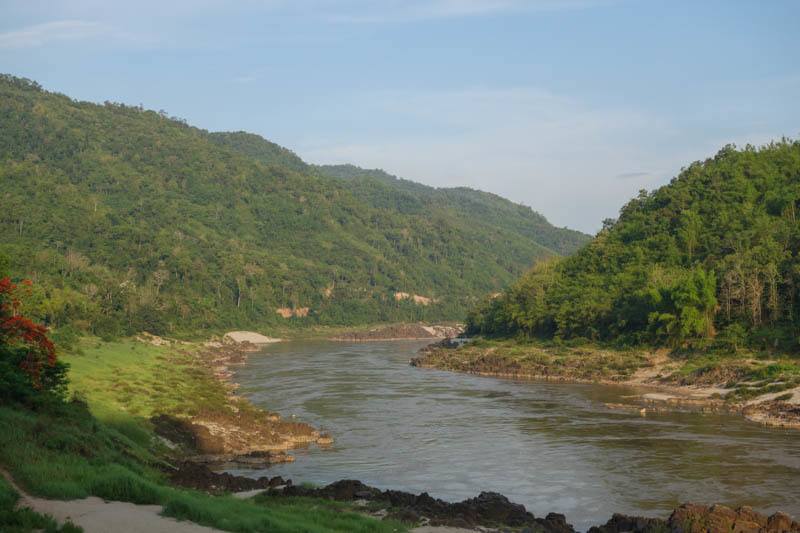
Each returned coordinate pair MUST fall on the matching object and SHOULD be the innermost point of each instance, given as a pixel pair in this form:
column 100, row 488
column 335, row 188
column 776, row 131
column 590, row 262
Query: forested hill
column 710, row 261
column 472, row 210
column 128, row 220
column 468, row 205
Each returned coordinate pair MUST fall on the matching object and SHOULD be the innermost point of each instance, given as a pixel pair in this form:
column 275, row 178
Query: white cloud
column 48, row 32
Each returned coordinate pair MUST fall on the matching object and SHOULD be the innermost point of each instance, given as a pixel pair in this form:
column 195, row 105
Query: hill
column 129, row 220
column 708, row 261
column 479, row 210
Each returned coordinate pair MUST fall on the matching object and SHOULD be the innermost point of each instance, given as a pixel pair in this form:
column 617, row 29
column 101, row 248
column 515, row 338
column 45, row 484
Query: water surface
column 551, row 447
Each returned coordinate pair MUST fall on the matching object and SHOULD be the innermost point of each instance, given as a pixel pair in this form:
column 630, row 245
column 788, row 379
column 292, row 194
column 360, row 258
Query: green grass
column 749, row 374
column 23, row 520
column 276, row 514
column 128, row 377
column 534, row 358
column 68, row 451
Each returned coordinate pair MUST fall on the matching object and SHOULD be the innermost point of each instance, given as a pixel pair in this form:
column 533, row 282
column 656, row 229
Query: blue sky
column 568, row 106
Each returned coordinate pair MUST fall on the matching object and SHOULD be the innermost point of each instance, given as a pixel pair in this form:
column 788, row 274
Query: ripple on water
column 551, row 447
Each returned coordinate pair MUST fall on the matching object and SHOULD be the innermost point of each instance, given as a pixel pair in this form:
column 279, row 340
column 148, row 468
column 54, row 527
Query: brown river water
column 549, row 446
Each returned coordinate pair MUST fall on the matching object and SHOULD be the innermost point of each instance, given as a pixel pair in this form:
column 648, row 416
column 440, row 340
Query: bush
column 18, row 386
column 118, row 483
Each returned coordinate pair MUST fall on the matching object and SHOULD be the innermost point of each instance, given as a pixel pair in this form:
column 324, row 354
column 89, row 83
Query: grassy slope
column 140, row 379
column 66, row 452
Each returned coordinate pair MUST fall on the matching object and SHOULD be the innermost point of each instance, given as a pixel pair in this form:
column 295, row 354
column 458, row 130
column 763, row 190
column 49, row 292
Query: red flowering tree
column 28, row 363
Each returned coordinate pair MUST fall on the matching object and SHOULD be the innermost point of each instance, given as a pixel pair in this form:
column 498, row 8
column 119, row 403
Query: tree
column 28, row 363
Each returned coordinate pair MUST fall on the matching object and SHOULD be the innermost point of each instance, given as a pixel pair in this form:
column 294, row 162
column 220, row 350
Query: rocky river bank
column 494, row 511
column 229, row 429
column 664, row 383
column 199, row 447
column 394, row 332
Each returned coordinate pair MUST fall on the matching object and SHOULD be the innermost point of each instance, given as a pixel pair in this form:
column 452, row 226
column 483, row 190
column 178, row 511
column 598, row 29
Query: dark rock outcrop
column 200, row 477
column 487, row 509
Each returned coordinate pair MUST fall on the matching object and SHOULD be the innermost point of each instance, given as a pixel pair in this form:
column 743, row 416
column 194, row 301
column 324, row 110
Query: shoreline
column 239, row 432
column 650, row 376
column 401, row 331
column 493, row 512
column 469, row 515
column 232, row 430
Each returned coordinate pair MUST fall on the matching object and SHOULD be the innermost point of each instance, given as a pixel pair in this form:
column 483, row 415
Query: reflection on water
column 551, row 447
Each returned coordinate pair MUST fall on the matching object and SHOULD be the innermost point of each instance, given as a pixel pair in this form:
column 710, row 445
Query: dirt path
column 95, row 515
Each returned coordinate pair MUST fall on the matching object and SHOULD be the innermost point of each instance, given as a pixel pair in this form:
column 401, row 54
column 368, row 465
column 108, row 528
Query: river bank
column 553, row 447
column 393, row 332
column 763, row 390
column 490, row 510
column 187, row 382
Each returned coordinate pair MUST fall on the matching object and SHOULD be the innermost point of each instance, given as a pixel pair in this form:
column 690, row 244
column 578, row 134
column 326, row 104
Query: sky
column 568, row 106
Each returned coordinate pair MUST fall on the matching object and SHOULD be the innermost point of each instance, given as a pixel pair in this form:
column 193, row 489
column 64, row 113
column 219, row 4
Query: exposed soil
column 401, row 331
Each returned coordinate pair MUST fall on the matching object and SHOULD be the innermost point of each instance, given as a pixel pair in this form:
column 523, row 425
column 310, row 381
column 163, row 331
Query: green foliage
column 685, row 310
column 480, row 213
column 17, row 386
column 24, row 520
column 716, row 250
column 64, row 452
column 129, row 220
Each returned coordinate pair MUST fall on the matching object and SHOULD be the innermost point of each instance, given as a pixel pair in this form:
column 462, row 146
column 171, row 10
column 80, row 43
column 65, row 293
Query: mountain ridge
column 129, row 220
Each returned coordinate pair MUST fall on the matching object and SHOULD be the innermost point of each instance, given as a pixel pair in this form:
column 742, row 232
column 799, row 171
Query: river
column 549, row 446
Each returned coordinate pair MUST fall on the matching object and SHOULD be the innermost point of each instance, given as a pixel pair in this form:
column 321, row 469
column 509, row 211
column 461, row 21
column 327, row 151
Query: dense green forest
column 708, row 261
column 466, row 207
column 129, row 220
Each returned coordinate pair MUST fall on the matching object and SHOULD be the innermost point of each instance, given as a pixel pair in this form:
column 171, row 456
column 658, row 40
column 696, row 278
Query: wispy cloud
column 48, row 32
column 410, row 10
column 632, row 175
column 555, row 153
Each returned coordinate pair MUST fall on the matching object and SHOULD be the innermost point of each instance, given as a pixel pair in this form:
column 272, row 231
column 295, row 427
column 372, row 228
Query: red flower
column 19, row 330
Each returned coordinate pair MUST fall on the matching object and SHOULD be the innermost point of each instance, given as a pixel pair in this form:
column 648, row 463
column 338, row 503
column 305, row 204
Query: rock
column 487, row 509
column 404, row 514
column 200, row 477
column 493, row 508
column 490, row 509
column 324, row 439
column 252, row 337
column 782, row 522
column 555, row 522
column 190, row 437
column 401, row 331
column 250, row 460
column 693, row 518
column 620, row 523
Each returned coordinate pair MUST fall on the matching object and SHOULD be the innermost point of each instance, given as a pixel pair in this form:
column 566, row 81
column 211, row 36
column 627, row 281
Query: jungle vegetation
column 708, row 261
column 126, row 220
